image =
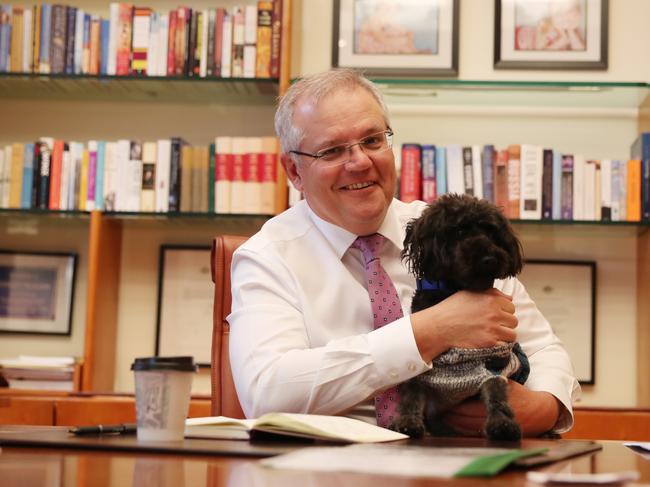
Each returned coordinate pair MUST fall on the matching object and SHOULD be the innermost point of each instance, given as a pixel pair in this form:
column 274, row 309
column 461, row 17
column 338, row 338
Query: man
column 302, row 337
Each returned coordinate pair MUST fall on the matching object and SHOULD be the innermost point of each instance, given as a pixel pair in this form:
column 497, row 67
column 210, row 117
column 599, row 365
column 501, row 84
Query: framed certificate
column 185, row 303
column 565, row 293
column 396, row 38
column 36, row 292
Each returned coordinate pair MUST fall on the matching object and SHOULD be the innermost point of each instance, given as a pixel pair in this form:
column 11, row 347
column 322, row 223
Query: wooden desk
column 40, row 467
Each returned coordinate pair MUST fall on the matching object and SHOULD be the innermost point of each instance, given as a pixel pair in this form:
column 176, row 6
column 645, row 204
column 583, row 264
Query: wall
column 603, row 136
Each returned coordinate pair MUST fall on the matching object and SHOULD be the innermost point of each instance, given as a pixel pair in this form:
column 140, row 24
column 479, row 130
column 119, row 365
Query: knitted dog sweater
column 459, row 373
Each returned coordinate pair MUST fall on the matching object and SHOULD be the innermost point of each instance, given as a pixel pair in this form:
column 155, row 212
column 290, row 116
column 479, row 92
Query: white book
column 148, row 195
column 455, row 177
column 477, row 171
column 578, row 187
column 530, row 184
column 589, row 187
column 606, row 189
column 226, row 46
column 597, row 190
column 152, row 54
column 110, row 175
column 79, row 44
column 238, row 186
column 203, row 62
column 133, row 177
column 163, row 153
column 122, row 151
column 66, row 164
column 250, row 40
column 223, row 165
column 622, row 191
column 140, row 35
column 113, row 30
column 28, row 26
column 250, row 58
column 269, row 171
column 252, row 177
column 163, row 32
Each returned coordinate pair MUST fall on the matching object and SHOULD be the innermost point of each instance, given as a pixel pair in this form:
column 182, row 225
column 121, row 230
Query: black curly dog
column 461, row 242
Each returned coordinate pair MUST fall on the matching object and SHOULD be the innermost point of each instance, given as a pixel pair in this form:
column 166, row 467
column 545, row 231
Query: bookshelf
column 118, row 251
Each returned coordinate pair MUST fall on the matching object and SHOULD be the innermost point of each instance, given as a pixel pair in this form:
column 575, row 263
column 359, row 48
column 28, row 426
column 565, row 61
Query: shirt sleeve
column 277, row 368
column 550, row 366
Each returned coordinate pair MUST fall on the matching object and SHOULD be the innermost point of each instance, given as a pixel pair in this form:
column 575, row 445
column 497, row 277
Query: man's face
column 354, row 195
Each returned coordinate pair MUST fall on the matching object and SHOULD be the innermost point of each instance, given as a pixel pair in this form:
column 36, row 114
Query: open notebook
column 312, row 426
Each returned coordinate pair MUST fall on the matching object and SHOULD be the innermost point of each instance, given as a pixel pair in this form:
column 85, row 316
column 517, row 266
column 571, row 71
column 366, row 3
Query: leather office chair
column 224, row 396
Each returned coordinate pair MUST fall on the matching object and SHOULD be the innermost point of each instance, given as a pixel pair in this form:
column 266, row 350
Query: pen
column 103, row 429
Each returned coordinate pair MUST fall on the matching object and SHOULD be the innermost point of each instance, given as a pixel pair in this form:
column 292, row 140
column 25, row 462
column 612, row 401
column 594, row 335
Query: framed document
column 36, row 292
column 550, row 34
column 565, row 293
column 396, row 37
column 185, row 301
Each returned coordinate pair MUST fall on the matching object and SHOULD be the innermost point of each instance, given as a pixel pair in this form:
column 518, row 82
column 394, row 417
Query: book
column 514, row 181
column 313, row 426
column 428, row 173
column 640, row 149
column 264, row 32
column 411, row 173
column 530, row 182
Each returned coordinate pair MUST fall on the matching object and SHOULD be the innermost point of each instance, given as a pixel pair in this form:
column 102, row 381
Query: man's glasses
column 340, row 154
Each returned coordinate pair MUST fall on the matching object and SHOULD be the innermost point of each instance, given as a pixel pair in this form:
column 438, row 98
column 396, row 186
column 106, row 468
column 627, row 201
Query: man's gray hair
column 314, row 88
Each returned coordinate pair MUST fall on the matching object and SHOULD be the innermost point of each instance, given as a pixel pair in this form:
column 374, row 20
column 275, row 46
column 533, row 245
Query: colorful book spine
column 411, row 173
column 428, row 173
column 264, row 34
column 567, row 187
column 28, row 176
column 441, row 170
column 92, row 175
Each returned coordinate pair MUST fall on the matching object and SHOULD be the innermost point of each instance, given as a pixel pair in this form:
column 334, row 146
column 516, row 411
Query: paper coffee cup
column 163, row 387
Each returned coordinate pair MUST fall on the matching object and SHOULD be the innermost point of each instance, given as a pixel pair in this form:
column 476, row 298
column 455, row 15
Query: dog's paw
column 409, row 426
column 502, row 429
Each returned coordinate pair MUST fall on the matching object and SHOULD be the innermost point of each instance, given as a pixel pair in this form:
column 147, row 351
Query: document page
column 385, row 459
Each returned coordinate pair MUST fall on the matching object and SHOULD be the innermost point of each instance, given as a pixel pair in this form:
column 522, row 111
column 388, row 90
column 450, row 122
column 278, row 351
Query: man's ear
column 290, row 168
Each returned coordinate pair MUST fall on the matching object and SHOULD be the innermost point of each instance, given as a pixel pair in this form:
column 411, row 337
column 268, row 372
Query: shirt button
column 411, row 366
column 393, row 375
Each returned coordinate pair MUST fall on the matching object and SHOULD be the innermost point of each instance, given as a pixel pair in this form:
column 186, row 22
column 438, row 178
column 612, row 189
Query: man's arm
column 278, row 362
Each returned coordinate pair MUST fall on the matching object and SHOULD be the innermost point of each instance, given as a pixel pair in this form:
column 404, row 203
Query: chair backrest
column 224, row 396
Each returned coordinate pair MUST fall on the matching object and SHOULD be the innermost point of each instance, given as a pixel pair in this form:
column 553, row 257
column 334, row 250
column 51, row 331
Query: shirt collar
column 340, row 239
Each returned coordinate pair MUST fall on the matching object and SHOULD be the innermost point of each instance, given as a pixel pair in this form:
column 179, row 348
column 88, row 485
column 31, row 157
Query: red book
column 55, row 175
column 410, row 187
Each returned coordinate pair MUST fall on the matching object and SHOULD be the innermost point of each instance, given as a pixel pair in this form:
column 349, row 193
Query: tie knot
column 370, row 246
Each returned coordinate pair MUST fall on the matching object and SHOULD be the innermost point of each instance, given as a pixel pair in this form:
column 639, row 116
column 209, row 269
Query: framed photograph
column 565, row 293
column 185, row 301
column 550, row 34
column 396, row 37
column 36, row 292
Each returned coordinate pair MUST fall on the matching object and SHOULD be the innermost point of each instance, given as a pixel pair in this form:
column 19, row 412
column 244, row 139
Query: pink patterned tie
column 386, row 308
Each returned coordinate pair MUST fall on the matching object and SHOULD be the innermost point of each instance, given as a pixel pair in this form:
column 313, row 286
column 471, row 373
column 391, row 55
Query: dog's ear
column 517, row 250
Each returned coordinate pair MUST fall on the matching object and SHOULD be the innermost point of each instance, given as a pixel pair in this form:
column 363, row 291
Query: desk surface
column 68, row 467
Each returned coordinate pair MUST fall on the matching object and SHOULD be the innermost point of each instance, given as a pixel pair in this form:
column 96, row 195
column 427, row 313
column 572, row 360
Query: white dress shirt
column 301, row 327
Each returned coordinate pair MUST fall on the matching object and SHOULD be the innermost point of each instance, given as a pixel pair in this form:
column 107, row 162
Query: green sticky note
column 489, row 465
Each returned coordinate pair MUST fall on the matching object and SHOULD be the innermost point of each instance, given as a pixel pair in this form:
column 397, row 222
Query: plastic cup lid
column 183, row 364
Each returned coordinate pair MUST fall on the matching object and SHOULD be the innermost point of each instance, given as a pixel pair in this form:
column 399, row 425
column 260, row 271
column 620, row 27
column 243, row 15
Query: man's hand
column 535, row 411
column 465, row 320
